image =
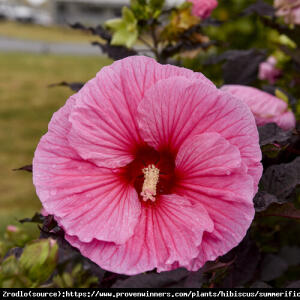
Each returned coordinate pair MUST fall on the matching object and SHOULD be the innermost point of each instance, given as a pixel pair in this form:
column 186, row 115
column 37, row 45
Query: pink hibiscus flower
column 150, row 166
column 12, row 228
column 203, row 8
column 268, row 70
column 265, row 107
column 289, row 9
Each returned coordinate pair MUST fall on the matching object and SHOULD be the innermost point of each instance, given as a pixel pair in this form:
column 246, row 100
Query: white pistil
column 151, row 174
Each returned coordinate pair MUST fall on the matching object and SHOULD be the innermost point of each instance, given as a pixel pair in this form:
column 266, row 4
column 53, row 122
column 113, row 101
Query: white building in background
column 90, row 12
column 61, row 12
column 30, row 11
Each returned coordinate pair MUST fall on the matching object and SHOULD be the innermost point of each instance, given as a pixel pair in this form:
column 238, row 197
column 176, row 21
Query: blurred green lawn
column 26, row 106
column 44, row 33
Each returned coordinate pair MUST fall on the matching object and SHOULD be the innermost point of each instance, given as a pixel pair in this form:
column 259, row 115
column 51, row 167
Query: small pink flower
column 265, row 107
column 203, row 8
column 289, row 9
column 296, row 15
column 268, row 70
column 52, row 242
column 12, row 228
column 150, row 166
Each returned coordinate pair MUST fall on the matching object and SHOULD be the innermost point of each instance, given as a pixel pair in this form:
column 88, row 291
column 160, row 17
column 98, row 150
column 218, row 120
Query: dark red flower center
column 149, row 160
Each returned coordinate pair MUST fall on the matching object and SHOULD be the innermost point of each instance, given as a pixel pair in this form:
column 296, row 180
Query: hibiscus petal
column 261, row 103
column 168, row 233
column 286, row 121
column 231, row 222
column 176, row 109
column 104, row 124
column 210, row 172
column 208, row 164
column 92, row 202
column 265, row 107
column 207, row 154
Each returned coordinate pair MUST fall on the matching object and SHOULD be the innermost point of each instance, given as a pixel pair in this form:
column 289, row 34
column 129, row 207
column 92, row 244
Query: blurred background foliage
column 26, row 107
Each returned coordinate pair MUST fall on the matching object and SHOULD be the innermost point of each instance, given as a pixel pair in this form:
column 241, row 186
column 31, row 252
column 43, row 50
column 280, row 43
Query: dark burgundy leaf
column 281, row 180
column 17, row 252
column 93, row 269
column 270, row 133
column 74, row 86
column 153, row 280
column 241, row 67
column 286, row 210
column 223, row 262
column 211, row 22
column 291, row 255
column 243, row 268
column 294, row 285
column 262, row 200
column 193, row 280
column 260, row 8
column 294, row 54
column 272, row 267
column 79, row 26
column 182, row 45
column 49, row 223
column 115, row 52
column 27, row 168
column 37, row 218
column 260, row 285
column 187, row 41
column 98, row 30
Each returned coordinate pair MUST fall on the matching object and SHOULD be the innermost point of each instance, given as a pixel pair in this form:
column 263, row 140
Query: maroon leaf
column 27, row 168
column 286, row 210
column 74, row 86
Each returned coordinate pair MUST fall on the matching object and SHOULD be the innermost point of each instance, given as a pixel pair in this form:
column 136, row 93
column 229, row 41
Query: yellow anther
column 151, row 174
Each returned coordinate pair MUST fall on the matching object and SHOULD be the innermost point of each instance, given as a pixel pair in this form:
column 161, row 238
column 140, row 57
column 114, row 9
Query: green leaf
column 16, row 236
column 185, row 5
column 78, row 278
column 156, row 7
column 286, row 41
column 125, row 30
column 140, row 9
column 124, row 37
column 138, row 3
column 279, row 94
column 3, row 249
column 128, row 15
column 114, row 24
column 93, row 280
column 156, row 4
column 39, row 258
column 77, row 270
column 68, row 281
column 10, row 266
column 58, row 281
column 11, row 276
